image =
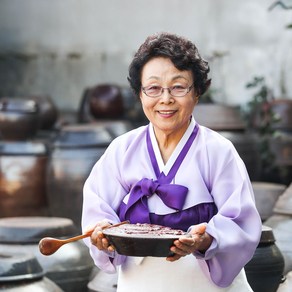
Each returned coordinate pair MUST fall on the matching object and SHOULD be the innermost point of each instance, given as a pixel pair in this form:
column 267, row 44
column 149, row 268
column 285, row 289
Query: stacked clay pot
column 23, row 156
column 22, row 272
column 23, row 178
column 19, row 118
column 69, row 267
column 74, row 151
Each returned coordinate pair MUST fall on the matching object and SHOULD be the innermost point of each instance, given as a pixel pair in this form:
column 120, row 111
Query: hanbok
column 211, row 185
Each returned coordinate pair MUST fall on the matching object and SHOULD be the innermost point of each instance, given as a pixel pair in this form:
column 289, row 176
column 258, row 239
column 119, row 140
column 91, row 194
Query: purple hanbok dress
column 204, row 180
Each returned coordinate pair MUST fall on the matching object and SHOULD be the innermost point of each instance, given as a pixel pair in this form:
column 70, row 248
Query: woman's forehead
column 159, row 67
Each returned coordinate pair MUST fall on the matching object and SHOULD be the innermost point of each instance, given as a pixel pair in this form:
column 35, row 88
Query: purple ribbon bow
column 172, row 195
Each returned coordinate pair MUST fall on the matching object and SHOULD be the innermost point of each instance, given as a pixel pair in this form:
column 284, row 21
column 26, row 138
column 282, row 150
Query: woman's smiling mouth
column 166, row 113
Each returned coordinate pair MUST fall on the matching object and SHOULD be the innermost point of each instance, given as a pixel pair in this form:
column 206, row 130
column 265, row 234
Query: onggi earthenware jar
column 74, row 152
column 19, row 118
column 48, row 111
column 23, row 178
column 103, row 101
column 22, row 272
column 69, row 267
column 266, row 269
column 282, row 228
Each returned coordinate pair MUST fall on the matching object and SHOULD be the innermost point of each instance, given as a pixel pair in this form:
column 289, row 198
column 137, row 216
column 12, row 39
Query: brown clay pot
column 106, row 101
column 48, row 112
column 103, row 101
column 23, row 178
column 19, row 118
column 74, row 152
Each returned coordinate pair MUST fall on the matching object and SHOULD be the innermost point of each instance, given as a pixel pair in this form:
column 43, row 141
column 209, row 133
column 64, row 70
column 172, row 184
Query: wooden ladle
column 49, row 245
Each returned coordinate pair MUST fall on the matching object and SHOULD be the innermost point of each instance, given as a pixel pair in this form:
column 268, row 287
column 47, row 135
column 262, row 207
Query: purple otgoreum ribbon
column 172, row 195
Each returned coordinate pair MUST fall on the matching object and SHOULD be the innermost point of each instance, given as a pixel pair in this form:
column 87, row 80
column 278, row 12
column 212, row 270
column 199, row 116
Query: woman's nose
column 166, row 97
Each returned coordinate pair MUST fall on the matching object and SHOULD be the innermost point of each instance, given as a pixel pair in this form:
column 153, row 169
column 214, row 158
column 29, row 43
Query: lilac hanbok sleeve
column 101, row 198
column 106, row 187
column 236, row 228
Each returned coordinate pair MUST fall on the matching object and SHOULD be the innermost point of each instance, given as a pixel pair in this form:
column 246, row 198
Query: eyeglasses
column 175, row 91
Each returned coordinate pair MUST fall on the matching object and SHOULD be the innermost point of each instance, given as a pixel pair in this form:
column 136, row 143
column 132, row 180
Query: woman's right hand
column 98, row 239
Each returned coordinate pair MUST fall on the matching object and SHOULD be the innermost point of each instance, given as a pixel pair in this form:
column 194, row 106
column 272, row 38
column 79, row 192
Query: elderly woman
column 207, row 181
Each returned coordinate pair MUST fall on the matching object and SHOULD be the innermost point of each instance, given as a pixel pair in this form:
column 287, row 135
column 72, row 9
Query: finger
column 200, row 228
column 180, row 250
column 105, row 243
column 189, row 241
column 97, row 226
column 96, row 242
column 186, row 244
column 97, row 239
column 173, row 258
column 111, row 248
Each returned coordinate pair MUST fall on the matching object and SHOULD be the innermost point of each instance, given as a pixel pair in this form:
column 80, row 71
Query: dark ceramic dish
column 142, row 239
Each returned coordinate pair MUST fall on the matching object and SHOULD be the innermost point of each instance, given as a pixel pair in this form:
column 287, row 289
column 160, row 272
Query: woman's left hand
column 196, row 240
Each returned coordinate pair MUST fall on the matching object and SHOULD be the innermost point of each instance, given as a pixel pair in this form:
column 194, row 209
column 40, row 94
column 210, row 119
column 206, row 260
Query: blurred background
column 64, row 97
column 61, row 47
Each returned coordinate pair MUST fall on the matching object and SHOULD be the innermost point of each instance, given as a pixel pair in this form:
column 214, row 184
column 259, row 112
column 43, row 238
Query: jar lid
column 19, row 267
column 267, row 235
column 115, row 127
column 13, row 104
column 23, row 148
column 32, row 229
column 79, row 136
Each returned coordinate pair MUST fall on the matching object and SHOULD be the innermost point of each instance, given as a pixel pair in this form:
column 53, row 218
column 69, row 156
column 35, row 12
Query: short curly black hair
column 181, row 51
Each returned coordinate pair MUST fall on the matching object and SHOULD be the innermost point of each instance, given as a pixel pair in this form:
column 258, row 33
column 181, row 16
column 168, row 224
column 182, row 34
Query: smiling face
column 169, row 115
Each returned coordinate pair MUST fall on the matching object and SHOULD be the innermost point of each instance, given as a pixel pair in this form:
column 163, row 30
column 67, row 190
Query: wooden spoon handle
column 117, row 224
column 78, row 237
column 88, row 233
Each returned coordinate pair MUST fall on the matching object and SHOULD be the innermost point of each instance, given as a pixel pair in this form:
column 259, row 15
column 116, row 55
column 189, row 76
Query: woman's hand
column 98, row 239
column 196, row 240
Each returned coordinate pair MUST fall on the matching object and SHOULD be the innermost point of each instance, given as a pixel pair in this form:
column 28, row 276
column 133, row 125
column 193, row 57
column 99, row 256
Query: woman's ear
column 197, row 99
column 140, row 95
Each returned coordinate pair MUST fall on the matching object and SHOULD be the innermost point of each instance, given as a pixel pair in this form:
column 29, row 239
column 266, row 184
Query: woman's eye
column 178, row 87
column 153, row 87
